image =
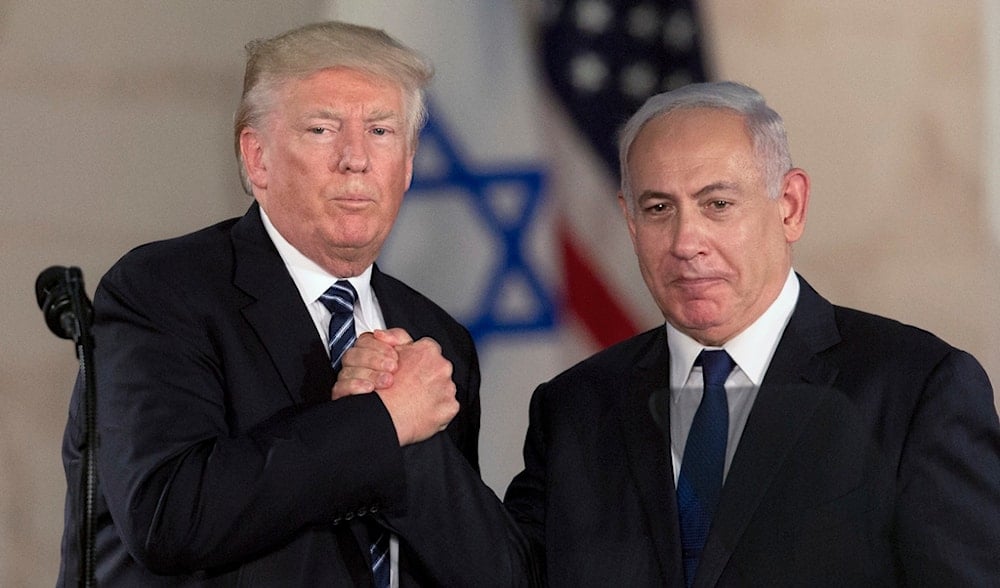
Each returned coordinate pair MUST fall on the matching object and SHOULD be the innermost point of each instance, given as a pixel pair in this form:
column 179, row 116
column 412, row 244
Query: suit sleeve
column 188, row 489
column 525, row 497
column 472, row 407
column 454, row 525
column 948, row 510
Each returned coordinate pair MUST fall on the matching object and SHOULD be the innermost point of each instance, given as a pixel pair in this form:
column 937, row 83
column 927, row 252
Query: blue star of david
column 511, row 262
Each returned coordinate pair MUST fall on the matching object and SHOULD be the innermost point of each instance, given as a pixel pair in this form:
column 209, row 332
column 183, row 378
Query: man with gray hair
column 227, row 456
column 762, row 436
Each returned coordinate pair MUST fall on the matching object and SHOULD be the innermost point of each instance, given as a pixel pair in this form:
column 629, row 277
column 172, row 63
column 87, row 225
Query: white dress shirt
column 751, row 350
column 312, row 281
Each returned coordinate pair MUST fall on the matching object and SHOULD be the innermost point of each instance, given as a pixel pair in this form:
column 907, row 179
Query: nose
column 688, row 239
column 353, row 156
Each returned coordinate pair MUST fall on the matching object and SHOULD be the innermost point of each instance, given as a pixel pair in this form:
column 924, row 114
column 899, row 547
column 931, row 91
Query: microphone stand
column 80, row 330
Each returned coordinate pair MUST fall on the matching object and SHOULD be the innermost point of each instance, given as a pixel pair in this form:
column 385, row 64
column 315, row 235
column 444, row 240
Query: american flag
column 603, row 59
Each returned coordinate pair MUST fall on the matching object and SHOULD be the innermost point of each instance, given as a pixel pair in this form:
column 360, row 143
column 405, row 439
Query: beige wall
column 884, row 103
column 114, row 130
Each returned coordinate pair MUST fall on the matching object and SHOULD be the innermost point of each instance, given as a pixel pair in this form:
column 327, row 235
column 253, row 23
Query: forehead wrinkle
column 720, row 186
column 324, row 113
column 377, row 115
column 383, row 114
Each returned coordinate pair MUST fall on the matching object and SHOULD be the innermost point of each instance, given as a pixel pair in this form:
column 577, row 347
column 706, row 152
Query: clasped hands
column 412, row 378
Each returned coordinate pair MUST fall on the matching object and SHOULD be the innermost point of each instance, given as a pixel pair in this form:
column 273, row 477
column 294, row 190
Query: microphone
column 54, row 289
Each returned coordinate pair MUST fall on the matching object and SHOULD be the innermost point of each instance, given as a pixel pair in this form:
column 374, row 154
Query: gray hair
column 302, row 52
column 766, row 129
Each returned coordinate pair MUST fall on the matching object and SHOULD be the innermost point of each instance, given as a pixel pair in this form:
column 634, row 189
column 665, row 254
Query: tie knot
column 716, row 366
column 339, row 298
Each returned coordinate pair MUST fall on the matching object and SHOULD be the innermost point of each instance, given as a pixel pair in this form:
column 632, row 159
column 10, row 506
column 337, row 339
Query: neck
column 341, row 265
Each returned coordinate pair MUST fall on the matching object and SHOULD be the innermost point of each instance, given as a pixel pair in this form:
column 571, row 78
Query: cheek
column 651, row 244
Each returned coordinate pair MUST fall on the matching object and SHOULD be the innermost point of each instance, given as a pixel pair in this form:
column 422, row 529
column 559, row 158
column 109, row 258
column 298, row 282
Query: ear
column 794, row 202
column 409, row 170
column 629, row 219
column 252, row 150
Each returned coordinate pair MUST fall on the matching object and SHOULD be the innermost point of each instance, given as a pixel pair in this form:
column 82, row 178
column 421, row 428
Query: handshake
column 412, row 378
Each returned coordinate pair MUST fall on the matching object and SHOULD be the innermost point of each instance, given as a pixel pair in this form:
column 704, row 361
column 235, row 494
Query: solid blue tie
column 339, row 299
column 700, row 480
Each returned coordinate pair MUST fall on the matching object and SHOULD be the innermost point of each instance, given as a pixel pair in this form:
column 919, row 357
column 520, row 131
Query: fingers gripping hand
column 370, row 363
column 421, row 400
column 395, row 336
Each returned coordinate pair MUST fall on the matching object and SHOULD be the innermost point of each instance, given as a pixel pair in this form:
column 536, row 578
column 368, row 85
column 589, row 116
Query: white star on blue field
column 462, row 238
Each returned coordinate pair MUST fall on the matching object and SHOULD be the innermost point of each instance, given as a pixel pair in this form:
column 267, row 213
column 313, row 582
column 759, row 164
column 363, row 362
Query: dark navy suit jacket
column 222, row 460
column 871, row 457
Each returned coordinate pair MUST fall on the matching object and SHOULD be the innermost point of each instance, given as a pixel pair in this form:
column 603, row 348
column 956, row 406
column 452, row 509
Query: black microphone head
column 49, row 280
column 52, row 290
column 53, row 298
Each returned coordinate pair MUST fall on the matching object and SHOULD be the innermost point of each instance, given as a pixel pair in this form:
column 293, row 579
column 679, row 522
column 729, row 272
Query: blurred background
column 115, row 130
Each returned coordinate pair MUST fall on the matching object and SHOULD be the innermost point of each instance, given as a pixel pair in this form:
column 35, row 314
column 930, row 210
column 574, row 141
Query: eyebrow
column 720, row 186
column 376, row 116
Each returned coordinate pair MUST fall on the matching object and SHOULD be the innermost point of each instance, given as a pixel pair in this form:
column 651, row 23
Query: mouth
column 696, row 284
column 354, row 201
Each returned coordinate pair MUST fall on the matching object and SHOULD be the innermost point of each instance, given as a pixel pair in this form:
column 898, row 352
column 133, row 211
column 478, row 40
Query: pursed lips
column 353, row 200
column 696, row 283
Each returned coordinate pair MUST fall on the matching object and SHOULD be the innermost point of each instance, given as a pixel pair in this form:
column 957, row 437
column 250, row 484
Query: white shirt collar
column 312, row 280
column 752, row 349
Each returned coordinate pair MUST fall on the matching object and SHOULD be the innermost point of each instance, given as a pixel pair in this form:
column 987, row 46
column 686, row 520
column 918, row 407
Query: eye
column 719, row 204
column 380, row 131
column 317, row 130
column 657, row 209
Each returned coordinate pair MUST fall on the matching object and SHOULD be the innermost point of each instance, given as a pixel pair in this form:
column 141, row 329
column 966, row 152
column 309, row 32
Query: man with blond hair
column 227, row 456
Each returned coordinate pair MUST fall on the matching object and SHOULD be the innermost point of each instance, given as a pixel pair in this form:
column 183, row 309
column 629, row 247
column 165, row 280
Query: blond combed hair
column 301, row 52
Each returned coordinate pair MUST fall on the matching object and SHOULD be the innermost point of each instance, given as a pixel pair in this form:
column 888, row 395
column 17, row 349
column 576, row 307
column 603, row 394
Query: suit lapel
column 388, row 296
column 796, row 383
column 644, row 421
column 276, row 313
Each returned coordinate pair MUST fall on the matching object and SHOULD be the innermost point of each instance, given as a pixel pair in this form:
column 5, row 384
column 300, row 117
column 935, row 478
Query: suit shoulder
column 177, row 256
column 186, row 249
column 613, row 364
column 196, row 262
column 594, row 385
column 871, row 343
column 888, row 334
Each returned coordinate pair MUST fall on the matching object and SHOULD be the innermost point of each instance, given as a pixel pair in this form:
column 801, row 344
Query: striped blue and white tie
column 339, row 300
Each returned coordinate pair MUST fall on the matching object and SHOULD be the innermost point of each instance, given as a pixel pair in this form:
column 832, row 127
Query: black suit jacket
column 222, row 459
column 871, row 457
